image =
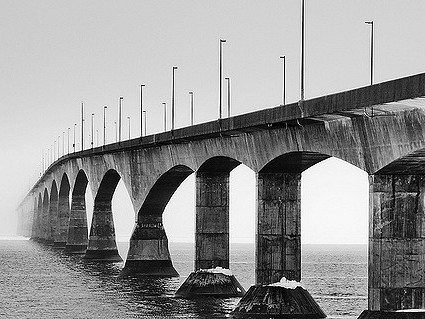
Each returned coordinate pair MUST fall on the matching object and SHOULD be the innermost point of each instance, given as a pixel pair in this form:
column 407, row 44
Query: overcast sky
column 55, row 54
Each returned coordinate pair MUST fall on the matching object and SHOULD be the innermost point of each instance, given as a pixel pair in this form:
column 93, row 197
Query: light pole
column 283, row 79
column 221, row 76
column 141, row 109
column 145, row 124
column 104, row 124
column 82, row 126
column 165, row 115
column 302, row 49
column 73, row 145
column 92, row 130
column 172, row 102
column 191, row 107
column 68, row 138
column 119, row 119
column 54, row 150
column 63, row 143
column 371, row 51
column 129, row 128
column 228, row 96
column 58, row 146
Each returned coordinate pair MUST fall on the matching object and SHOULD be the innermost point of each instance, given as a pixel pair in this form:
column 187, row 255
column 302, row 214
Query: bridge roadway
column 377, row 128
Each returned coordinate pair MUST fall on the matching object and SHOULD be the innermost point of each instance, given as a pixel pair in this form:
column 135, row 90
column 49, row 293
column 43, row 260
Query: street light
column 172, row 102
column 58, row 146
column 371, row 50
column 191, row 107
column 302, row 49
column 68, row 138
column 82, row 125
column 92, row 129
column 104, row 124
column 141, row 109
column 221, row 76
column 283, row 79
column 228, row 96
column 145, row 125
column 119, row 119
column 128, row 117
column 165, row 115
column 73, row 145
column 63, row 143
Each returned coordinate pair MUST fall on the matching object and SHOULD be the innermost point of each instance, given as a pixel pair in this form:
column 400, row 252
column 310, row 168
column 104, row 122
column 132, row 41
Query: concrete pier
column 148, row 254
column 77, row 237
column 396, row 243
column 53, row 215
column 278, row 247
column 45, row 227
column 102, row 245
column 212, row 220
column 62, row 221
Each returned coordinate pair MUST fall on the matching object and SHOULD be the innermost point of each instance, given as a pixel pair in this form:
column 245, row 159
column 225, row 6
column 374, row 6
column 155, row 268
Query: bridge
column 377, row 128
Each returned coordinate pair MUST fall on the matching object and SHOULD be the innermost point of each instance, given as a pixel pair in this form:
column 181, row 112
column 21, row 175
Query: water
column 37, row 281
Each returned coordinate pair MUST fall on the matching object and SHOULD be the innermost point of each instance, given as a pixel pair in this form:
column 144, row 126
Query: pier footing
column 106, row 255
column 396, row 314
column 275, row 302
column 157, row 268
column 210, row 283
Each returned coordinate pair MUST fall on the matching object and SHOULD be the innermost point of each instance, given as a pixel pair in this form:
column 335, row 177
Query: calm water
column 37, row 281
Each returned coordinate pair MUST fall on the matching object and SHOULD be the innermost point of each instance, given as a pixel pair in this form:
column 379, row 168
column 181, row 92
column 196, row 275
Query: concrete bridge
column 377, row 128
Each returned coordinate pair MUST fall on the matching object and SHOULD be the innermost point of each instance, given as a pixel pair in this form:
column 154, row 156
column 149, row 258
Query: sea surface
column 38, row 281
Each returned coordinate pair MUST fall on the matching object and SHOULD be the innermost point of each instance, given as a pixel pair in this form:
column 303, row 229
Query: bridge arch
column 77, row 234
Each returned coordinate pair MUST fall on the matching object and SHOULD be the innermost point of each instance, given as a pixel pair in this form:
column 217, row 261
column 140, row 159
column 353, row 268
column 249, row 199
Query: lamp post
column 54, row 150
column 141, row 109
column 73, row 145
column 228, row 96
column 172, row 101
column 104, row 124
column 82, row 125
column 58, row 146
column 68, row 138
column 191, row 107
column 165, row 115
column 129, row 128
column 221, row 76
column 145, row 124
column 371, row 51
column 119, row 119
column 92, row 130
column 302, row 49
column 283, row 79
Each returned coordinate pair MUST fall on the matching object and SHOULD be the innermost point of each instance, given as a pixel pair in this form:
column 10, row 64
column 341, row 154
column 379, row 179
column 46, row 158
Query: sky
column 56, row 54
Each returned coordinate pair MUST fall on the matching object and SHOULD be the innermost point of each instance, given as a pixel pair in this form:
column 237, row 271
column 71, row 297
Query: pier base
column 211, row 283
column 277, row 302
column 148, row 254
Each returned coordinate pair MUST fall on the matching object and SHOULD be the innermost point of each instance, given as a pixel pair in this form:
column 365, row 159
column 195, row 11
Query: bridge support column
column 102, row 245
column 211, row 241
column 62, row 221
column 148, row 254
column 212, row 220
column 396, row 246
column 278, row 253
column 52, row 221
column 77, row 238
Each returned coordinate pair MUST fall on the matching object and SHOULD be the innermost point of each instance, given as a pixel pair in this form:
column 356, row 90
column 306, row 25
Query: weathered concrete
column 62, row 221
column 45, row 227
column 397, row 242
column 102, row 245
column 212, row 220
column 148, row 254
column 278, row 242
column 77, row 236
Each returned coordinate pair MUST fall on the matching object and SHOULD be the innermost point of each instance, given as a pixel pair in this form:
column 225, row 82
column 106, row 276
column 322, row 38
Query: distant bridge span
column 377, row 128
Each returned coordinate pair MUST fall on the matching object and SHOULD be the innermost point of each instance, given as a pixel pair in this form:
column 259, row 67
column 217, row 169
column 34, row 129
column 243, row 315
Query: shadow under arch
column 148, row 253
column 212, row 247
column 45, row 217
column 77, row 235
column 102, row 244
column 62, row 221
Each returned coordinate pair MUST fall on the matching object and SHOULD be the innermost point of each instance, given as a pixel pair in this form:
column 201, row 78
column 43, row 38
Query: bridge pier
column 148, row 254
column 396, row 246
column 102, row 245
column 62, row 221
column 278, row 253
column 211, row 276
column 77, row 237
